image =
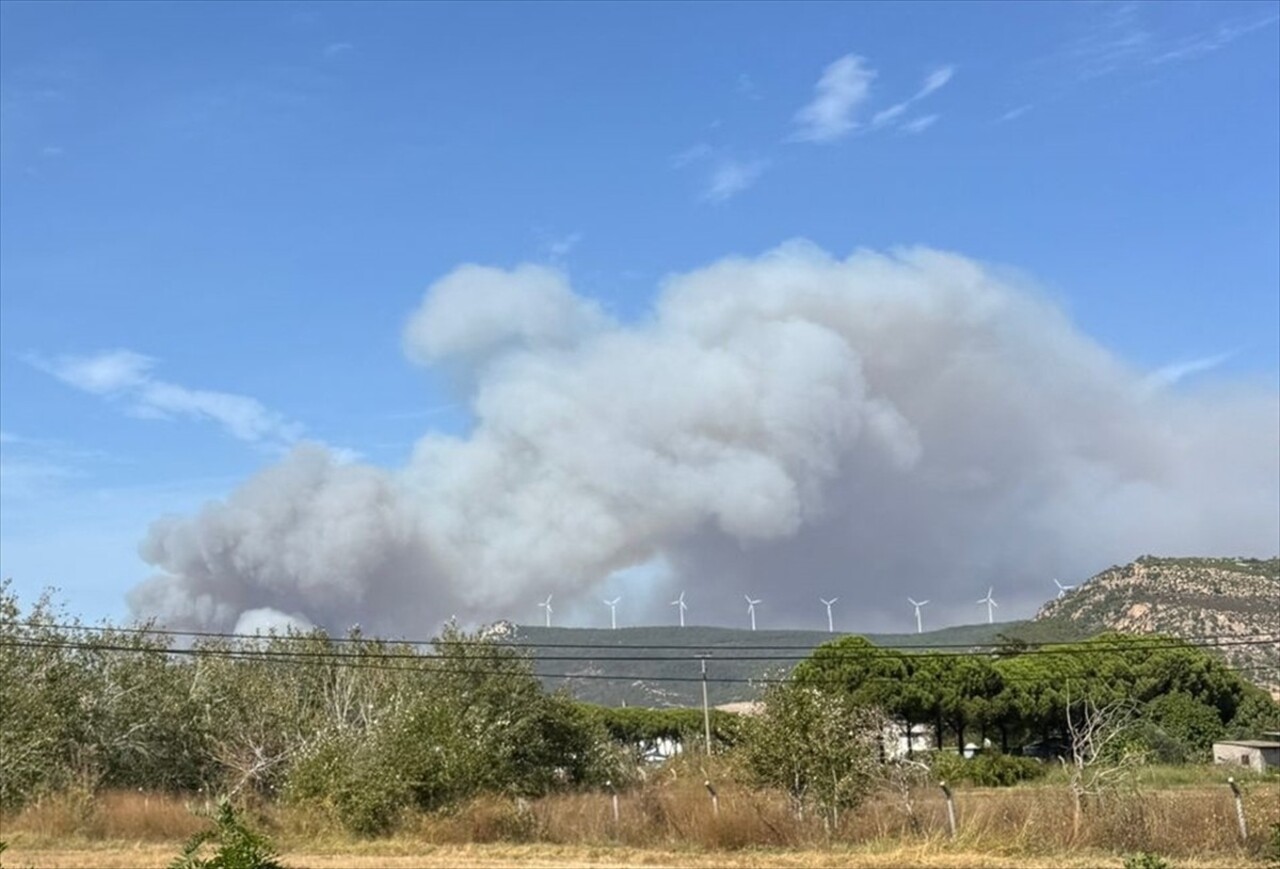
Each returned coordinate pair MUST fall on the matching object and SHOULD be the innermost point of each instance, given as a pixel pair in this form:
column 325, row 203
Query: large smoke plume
column 790, row 426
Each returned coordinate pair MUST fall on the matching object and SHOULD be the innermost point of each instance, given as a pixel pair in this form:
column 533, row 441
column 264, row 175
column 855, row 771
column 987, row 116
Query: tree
column 816, row 744
column 1103, row 754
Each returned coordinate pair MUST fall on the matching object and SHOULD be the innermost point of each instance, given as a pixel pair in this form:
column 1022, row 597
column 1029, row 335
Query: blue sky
column 251, row 198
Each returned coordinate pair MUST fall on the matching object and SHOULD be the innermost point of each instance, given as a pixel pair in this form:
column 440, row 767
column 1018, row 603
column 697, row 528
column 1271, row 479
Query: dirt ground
column 123, row 855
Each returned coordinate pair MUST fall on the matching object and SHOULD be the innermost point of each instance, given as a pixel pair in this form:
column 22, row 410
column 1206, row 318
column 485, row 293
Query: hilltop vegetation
column 659, row 666
column 1183, row 597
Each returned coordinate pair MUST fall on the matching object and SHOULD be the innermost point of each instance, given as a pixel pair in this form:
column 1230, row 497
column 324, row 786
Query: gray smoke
column 788, row 426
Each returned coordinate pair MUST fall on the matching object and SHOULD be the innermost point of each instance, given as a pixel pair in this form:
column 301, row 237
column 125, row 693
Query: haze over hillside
column 1191, row 598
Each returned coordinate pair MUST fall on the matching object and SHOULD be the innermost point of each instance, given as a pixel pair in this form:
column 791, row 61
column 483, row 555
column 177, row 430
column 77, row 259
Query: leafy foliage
column 815, row 744
column 237, row 847
column 985, row 770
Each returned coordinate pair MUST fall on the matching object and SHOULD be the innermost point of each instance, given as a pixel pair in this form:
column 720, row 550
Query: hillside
column 1185, row 597
column 659, row 666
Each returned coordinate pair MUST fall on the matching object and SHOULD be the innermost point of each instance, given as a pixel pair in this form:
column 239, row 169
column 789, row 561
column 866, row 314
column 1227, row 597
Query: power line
column 502, row 665
column 1014, row 647
column 822, row 657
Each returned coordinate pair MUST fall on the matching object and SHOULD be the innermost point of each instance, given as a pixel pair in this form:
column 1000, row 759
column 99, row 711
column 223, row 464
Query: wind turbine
column 546, row 604
column 917, row 604
column 613, row 611
column 827, row 603
column 751, row 610
column 679, row 602
column 990, row 602
column 1062, row 589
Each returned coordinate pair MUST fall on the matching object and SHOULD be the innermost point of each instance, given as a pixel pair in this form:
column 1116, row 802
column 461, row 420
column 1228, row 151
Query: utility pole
column 706, row 710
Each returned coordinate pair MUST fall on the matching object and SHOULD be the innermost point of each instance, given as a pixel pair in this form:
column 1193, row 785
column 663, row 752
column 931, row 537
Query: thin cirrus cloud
column 727, row 176
column 1123, row 37
column 919, row 125
column 730, row 177
column 842, row 90
column 126, row 376
column 894, row 115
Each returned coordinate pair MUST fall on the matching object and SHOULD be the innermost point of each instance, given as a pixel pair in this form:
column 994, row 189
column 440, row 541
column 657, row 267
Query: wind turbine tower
column 991, row 603
column 613, row 611
column 546, row 604
column 679, row 602
column 751, row 610
column 1062, row 589
column 827, row 603
column 917, row 604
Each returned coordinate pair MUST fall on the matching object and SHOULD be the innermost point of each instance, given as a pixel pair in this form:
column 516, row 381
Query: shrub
column 985, row 770
column 817, row 745
column 1271, row 851
column 238, row 847
column 1145, row 860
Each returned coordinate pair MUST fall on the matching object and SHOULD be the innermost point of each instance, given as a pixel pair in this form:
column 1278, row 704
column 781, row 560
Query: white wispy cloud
column 125, row 376
column 1205, row 42
column 730, row 177
column 919, row 125
column 1169, row 375
column 934, row 81
column 558, row 248
column 884, row 117
column 832, row 114
column 101, row 374
column 1119, row 38
column 1015, row 112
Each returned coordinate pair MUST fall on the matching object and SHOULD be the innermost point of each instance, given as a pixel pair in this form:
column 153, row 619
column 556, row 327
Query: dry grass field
column 671, row 823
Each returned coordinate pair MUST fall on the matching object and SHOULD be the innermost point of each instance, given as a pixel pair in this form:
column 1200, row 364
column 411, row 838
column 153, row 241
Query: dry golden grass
column 670, row 822
column 395, row 854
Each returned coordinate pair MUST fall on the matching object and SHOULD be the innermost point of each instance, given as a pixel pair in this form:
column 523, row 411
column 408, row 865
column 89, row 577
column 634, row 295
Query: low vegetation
column 112, row 734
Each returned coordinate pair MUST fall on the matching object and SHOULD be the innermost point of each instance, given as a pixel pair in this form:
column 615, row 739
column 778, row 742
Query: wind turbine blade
column 834, row 599
column 922, row 603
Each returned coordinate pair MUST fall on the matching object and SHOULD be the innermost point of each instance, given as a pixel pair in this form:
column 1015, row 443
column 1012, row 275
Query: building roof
column 1249, row 743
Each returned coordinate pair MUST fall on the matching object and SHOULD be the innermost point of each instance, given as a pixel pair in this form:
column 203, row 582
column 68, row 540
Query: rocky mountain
column 1237, row 599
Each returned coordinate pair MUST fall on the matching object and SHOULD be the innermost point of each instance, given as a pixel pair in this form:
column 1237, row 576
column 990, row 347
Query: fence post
column 614, row 794
column 715, row 798
column 706, row 710
column 1244, row 828
column 951, row 810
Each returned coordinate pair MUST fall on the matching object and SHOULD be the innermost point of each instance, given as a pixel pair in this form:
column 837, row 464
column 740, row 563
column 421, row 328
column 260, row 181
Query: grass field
column 406, row 855
column 1189, row 820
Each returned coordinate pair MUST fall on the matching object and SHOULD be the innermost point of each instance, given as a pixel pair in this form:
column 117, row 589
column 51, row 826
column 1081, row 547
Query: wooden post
column 1244, row 827
column 706, row 710
column 614, row 799
column 715, row 799
column 951, row 810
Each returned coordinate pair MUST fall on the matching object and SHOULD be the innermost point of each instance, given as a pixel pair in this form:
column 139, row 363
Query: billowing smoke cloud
column 788, row 426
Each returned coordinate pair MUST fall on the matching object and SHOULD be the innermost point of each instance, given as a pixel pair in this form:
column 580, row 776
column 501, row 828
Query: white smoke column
column 792, row 424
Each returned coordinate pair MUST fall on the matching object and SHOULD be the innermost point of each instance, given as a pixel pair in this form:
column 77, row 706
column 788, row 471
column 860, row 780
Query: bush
column 985, row 770
column 238, row 847
column 1271, row 851
column 1145, row 860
